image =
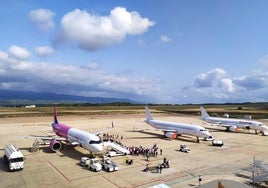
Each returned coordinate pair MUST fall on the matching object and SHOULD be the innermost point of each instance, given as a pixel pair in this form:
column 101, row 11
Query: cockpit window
column 95, row 142
column 203, row 130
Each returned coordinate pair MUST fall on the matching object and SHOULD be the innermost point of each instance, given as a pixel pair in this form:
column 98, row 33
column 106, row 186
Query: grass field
column 256, row 110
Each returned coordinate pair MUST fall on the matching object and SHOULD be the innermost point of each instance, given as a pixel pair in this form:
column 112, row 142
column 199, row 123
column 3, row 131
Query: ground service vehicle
column 184, row 148
column 84, row 161
column 94, row 165
column 13, row 157
column 217, row 143
column 109, row 165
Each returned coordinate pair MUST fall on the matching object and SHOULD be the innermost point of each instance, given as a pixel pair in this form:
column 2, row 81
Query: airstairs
column 118, row 148
column 35, row 146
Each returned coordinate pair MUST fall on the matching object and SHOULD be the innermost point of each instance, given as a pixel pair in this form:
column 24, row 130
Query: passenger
column 164, row 160
column 167, row 163
column 130, row 162
column 146, row 168
column 160, row 169
column 147, row 155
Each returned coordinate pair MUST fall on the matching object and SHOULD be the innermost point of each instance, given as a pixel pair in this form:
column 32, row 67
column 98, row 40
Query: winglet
column 148, row 114
column 55, row 115
column 204, row 113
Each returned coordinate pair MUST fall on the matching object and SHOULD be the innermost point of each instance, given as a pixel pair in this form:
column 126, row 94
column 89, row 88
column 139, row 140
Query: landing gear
column 256, row 132
column 197, row 139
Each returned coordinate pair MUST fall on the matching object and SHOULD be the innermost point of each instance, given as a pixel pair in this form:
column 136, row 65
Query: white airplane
column 89, row 141
column 173, row 130
column 233, row 125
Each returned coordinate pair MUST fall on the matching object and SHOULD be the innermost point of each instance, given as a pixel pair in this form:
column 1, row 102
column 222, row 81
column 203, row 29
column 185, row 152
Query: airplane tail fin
column 148, row 114
column 55, row 115
column 204, row 113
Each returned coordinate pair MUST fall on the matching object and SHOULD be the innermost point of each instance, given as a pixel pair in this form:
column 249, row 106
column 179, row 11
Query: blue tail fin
column 55, row 116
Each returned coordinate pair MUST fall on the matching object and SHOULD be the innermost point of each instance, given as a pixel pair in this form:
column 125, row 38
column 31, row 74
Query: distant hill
column 8, row 97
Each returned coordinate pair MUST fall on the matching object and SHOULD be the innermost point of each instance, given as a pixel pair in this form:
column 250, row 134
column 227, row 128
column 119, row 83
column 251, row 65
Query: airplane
column 89, row 141
column 173, row 130
column 233, row 124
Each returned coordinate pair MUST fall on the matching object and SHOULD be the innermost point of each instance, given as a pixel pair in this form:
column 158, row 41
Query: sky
column 154, row 51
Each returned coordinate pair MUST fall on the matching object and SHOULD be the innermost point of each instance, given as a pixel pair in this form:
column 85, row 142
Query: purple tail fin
column 55, row 116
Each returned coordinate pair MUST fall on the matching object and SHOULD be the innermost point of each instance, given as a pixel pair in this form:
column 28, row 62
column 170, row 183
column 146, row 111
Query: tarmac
column 61, row 169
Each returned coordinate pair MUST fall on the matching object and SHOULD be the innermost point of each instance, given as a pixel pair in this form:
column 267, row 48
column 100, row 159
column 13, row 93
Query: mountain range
column 8, row 97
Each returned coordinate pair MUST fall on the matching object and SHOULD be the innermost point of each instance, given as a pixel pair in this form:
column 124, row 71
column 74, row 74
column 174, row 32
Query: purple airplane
column 89, row 141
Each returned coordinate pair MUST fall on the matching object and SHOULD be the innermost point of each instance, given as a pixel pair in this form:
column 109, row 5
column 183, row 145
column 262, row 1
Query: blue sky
column 176, row 51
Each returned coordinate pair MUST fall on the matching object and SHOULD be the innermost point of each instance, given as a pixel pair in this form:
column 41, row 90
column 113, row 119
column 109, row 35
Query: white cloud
column 87, row 80
column 44, row 51
column 257, row 80
column 227, row 85
column 218, row 86
column 264, row 60
column 43, row 18
column 91, row 32
column 18, row 52
column 165, row 38
column 210, row 78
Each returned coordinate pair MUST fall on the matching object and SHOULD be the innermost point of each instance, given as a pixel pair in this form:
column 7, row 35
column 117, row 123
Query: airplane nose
column 265, row 128
column 98, row 148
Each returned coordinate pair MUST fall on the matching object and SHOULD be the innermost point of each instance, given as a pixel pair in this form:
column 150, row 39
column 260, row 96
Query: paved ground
column 61, row 169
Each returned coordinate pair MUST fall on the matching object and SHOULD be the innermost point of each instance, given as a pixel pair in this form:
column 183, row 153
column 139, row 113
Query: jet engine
column 170, row 135
column 55, row 145
column 233, row 129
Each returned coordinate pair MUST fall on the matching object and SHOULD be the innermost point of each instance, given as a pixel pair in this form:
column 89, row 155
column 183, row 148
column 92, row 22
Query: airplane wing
column 224, row 125
column 49, row 138
column 229, row 127
column 221, row 124
column 45, row 138
column 170, row 131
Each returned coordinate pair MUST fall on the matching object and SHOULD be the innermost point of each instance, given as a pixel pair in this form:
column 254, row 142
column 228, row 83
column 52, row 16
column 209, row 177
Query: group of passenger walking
column 146, row 151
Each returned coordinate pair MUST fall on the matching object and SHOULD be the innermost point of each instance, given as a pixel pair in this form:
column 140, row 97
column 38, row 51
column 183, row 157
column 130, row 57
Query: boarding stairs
column 35, row 146
column 118, row 148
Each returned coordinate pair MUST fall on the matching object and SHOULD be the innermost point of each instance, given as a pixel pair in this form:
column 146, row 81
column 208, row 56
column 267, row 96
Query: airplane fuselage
column 239, row 123
column 179, row 128
column 234, row 124
column 87, row 140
